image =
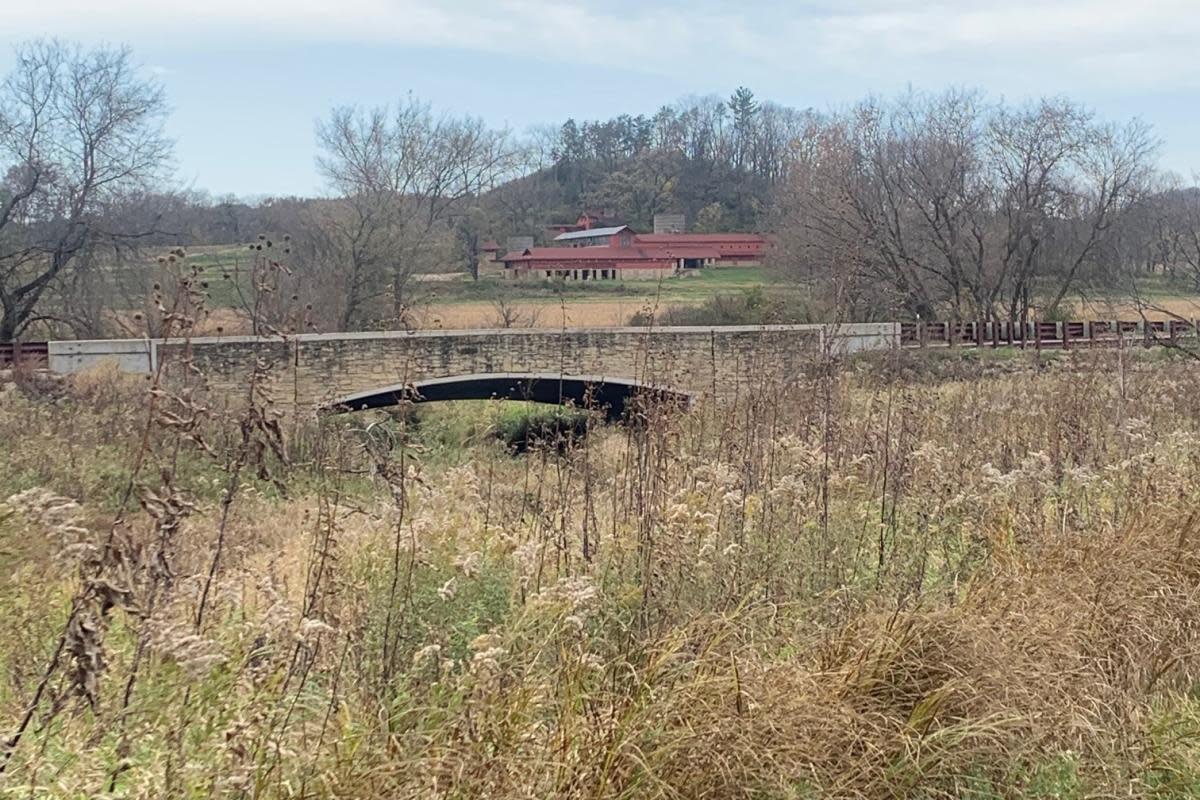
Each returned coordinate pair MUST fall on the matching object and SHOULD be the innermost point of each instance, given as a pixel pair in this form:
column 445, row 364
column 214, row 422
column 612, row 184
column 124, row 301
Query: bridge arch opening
column 609, row 395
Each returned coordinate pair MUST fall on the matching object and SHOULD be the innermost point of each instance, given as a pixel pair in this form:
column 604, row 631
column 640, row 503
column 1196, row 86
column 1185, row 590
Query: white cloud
column 1122, row 43
column 558, row 30
column 1149, row 41
column 1125, row 56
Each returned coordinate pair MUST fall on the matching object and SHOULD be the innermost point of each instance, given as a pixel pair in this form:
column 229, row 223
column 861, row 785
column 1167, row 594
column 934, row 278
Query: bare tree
column 339, row 250
column 1111, row 173
column 524, row 203
column 951, row 205
column 1180, row 247
column 78, row 130
column 400, row 173
column 509, row 315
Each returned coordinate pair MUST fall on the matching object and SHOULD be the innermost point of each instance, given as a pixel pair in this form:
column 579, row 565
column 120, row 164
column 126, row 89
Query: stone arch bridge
column 348, row 371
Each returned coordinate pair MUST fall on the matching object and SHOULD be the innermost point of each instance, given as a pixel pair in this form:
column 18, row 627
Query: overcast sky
column 247, row 79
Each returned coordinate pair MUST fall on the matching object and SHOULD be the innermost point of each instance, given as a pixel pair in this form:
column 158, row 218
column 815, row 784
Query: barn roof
column 698, row 238
column 590, row 233
column 587, row 254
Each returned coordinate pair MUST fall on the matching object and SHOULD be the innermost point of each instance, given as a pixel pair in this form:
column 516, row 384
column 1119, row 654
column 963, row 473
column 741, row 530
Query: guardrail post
column 1066, row 335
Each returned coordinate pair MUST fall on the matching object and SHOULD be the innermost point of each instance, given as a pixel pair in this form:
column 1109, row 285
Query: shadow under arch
column 610, row 395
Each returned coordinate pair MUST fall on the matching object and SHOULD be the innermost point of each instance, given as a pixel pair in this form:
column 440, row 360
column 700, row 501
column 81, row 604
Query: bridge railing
column 141, row 355
column 1039, row 334
column 24, row 354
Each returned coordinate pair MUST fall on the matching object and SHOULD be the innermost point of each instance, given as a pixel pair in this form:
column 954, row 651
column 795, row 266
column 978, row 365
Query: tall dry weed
column 892, row 580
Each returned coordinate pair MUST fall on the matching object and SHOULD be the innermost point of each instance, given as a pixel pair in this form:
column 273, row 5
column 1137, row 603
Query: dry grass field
column 532, row 314
column 1155, row 308
column 935, row 576
column 546, row 304
column 451, row 300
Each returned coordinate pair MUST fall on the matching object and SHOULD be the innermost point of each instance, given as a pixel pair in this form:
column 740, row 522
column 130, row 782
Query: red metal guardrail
column 1037, row 335
column 24, row 354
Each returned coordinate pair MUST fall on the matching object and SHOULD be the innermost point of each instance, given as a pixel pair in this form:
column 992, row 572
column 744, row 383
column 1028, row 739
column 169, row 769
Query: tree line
column 932, row 205
column 715, row 160
column 953, row 205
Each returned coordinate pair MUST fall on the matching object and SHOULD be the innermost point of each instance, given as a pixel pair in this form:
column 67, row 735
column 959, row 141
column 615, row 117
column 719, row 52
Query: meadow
column 727, row 295
column 452, row 300
column 916, row 575
column 555, row 304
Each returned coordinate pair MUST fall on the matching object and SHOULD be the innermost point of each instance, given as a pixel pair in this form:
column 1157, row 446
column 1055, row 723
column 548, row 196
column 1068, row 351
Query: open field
column 532, row 314
column 693, row 286
column 549, row 304
column 453, row 300
column 935, row 575
column 466, row 303
column 217, row 262
column 1157, row 296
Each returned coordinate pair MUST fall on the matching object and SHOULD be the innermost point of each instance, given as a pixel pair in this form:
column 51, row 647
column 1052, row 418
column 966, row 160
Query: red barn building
column 612, row 236
column 589, row 263
column 617, row 253
column 726, row 249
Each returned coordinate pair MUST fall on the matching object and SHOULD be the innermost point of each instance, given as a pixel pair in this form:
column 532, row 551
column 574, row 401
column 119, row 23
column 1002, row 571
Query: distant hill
column 715, row 161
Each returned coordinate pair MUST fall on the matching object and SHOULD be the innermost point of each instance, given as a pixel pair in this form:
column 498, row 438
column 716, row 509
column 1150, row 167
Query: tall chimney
column 668, row 223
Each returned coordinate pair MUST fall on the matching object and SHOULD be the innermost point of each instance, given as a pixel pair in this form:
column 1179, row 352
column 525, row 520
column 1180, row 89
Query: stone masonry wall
column 307, row 372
